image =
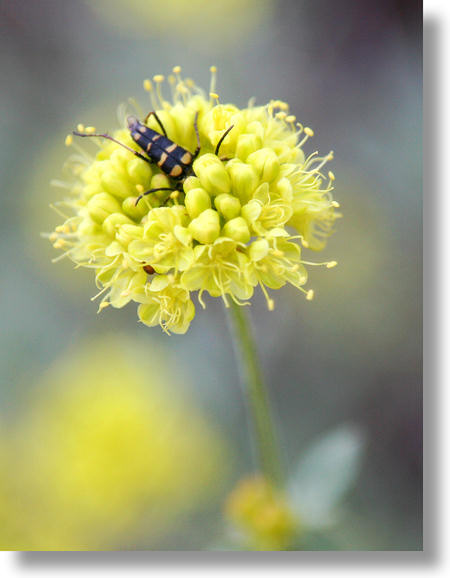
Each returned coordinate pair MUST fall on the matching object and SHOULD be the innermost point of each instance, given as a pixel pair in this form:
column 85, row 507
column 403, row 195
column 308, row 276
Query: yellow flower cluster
column 261, row 514
column 109, row 454
column 238, row 223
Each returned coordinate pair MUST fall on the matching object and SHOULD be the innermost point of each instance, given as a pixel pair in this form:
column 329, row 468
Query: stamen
column 159, row 79
column 212, row 84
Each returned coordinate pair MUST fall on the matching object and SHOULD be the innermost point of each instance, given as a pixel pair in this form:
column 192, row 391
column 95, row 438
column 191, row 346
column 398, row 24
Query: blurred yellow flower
column 239, row 222
column 261, row 514
column 110, row 453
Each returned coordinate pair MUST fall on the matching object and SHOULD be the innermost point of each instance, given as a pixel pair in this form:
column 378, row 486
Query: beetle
column 173, row 160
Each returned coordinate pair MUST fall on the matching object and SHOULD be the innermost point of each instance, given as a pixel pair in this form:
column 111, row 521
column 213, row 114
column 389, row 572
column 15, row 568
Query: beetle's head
column 132, row 122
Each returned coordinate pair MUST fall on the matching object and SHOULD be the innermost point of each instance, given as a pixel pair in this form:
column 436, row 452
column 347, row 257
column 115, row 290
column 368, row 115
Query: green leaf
column 324, row 474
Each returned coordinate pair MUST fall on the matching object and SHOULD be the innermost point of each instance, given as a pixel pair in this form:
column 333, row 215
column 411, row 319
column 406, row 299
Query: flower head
column 261, row 514
column 238, row 222
column 109, row 454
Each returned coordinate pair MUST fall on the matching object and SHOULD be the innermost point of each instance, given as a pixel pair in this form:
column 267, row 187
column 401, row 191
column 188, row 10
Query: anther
column 158, row 78
column 176, row 69
column 281, row 115
column 331, row 264
column 290, row 118
column 310, row 295
column 331, row 176
column 103, row 305
column 140, row 189
column 213, row 69
column 214, row 95
column 148, row 85
column 80, row 127
column 308, row 131
column 270, row 304
column 69, row 140
column 90, row 129
column 335, row 204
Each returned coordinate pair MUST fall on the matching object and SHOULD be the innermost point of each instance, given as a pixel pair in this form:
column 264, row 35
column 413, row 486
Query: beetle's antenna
column 108, row 137
column 216, row 152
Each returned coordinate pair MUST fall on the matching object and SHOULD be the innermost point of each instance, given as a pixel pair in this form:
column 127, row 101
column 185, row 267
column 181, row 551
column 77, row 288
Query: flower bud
column 115, row 185
column 251, row 211
column 127, row 233
column 196, row 201
column 244, row 179
column 258, row 250
column 284, row 188
column 247, row 144
column 206, row 227
column 102, row 205
column 227, row 205
column 132, row 210
column 237, row 229
column 266, row 163
column 120, row 157
column 111, row 223
column 191, row 183
column 139, row 171
column 212, row 174
column 160, row 181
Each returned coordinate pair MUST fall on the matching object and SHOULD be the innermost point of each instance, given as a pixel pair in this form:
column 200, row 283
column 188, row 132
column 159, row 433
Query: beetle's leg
column 197, row 150
column 216, row 152
column 158, row 120
column 107, row 136
column 153, row 191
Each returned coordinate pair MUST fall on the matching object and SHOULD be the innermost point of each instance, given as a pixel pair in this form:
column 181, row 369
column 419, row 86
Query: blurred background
column 114, row 435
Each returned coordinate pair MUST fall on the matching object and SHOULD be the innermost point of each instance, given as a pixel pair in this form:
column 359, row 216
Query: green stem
column 258, row 398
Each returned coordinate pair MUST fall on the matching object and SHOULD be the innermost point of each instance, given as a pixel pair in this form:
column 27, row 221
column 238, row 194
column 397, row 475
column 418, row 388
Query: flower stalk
column 257, row 397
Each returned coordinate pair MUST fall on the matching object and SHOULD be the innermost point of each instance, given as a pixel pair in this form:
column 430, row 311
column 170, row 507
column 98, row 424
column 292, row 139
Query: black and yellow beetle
column 173, row 160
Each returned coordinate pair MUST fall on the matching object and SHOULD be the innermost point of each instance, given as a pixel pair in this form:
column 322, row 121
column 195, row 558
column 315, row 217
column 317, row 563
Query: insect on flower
column 173, row 160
